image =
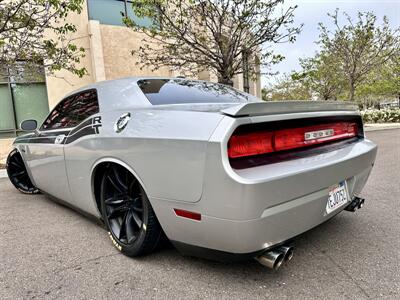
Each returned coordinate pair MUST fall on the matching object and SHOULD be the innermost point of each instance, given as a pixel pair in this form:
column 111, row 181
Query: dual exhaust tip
column 356, row 203
column 274, row 258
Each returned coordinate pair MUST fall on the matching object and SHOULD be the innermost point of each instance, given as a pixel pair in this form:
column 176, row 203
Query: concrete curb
column 374, row 127
column 3, row 173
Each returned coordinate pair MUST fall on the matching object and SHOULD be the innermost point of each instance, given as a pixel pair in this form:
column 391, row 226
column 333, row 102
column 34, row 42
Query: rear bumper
column 276, row 224
column 246, row 211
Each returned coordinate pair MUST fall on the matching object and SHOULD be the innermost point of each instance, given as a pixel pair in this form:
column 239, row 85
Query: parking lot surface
column 50, row 251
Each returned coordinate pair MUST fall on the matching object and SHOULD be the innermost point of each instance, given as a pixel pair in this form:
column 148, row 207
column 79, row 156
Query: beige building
column 108, row 45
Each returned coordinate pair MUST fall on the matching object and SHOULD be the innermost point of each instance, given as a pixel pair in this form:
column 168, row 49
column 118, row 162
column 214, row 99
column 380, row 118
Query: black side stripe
column 81, row 133
column 43, row 138
column 89, row 127
column 82, row 125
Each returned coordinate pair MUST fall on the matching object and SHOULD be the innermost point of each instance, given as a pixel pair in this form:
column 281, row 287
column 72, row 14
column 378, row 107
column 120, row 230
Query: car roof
column 115, row 83
column 124, row 93
column 123, row 89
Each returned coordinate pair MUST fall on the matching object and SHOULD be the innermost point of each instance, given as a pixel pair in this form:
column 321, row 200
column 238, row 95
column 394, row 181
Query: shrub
column 381, row 115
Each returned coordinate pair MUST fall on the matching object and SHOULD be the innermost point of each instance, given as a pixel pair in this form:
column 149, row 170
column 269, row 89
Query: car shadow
column 307, row 246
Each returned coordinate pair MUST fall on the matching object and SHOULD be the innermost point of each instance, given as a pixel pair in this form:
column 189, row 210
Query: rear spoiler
column 285, row 107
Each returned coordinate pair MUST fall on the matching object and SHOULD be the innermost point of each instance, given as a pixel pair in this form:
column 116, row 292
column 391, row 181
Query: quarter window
column 72, row 110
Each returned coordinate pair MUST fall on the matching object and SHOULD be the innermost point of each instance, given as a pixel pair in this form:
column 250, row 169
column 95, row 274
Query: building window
column 246, row 71
column 110, row 12
column 23, row 96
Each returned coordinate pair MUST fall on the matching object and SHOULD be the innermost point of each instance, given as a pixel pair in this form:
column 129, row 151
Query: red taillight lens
column 249, row 144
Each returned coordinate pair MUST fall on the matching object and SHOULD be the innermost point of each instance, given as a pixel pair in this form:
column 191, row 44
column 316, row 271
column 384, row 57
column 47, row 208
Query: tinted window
column 110, row 12
column 175, row 91
column 72, row 110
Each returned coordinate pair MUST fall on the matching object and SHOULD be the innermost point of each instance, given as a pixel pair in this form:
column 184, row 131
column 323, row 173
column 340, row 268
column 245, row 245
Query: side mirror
column 29, row 125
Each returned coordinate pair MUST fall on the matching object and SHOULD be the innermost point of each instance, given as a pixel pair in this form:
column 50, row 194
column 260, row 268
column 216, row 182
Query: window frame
column 126, row 4
column 14, row 130
column 9, row 80
column 42, row 129
column 246, row 71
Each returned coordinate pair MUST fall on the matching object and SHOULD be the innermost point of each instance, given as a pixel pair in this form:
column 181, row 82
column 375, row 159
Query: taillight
column 250, row 144
column 254, row 143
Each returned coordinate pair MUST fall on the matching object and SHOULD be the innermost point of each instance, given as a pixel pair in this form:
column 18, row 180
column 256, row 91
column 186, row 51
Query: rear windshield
column 179, row 91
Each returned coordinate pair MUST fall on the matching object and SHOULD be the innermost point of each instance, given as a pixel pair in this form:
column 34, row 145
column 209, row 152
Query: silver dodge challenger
column 220, row 173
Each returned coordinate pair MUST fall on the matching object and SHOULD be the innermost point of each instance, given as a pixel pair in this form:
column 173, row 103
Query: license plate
column 338, row 196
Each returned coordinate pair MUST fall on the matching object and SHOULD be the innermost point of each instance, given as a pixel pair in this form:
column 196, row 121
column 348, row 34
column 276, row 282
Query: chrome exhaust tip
column 355, row 204
column 287, row 252
column 271, row 259
column 361, row 203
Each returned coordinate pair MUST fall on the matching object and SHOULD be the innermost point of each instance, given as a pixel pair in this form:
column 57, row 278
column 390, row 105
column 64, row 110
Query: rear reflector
column 263, row 142
column 187, row 214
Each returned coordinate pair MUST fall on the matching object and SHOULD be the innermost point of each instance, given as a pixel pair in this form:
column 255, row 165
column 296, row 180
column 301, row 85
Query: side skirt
column 89, row 216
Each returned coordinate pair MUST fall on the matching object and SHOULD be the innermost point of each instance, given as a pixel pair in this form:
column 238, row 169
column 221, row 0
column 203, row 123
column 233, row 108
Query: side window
column 72, row 110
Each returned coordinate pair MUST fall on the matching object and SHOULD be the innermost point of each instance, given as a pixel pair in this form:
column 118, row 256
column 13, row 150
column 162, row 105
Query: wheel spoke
column 114, row 183
column 137, row 204
column 114, row 201
column 138, row 209
column 130, row 232
column 114, row 226
column 16, row 164
column 122, row 232
column 19, row 174
column 120, row 183
column 134, row 188
column 137, row 219
column 117, row 212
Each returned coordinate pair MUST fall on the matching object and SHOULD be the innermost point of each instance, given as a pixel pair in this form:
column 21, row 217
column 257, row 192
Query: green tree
column 321, row 74
column 213, row 35
column 285, row 88
column 359, row 47
column 382, row 83
column 36, row 31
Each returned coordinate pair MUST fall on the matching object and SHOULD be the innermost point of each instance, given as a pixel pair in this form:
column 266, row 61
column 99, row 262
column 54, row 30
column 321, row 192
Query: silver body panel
column 179, row 154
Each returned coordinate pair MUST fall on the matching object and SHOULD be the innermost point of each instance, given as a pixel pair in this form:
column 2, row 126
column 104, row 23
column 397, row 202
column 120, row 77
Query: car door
column 45, row 152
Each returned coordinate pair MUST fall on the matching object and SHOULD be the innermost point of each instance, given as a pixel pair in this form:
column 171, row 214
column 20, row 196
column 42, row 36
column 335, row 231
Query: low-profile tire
column 18, row 174
column 127, row 213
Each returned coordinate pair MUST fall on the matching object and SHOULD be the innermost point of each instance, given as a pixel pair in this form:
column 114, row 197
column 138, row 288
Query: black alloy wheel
column 18, row 175
column 132, row 224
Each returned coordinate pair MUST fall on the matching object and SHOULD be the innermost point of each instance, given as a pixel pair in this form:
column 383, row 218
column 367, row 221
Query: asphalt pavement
column 49, row 251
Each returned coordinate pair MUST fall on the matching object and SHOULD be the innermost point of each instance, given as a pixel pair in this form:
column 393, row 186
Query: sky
column 312, row 12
